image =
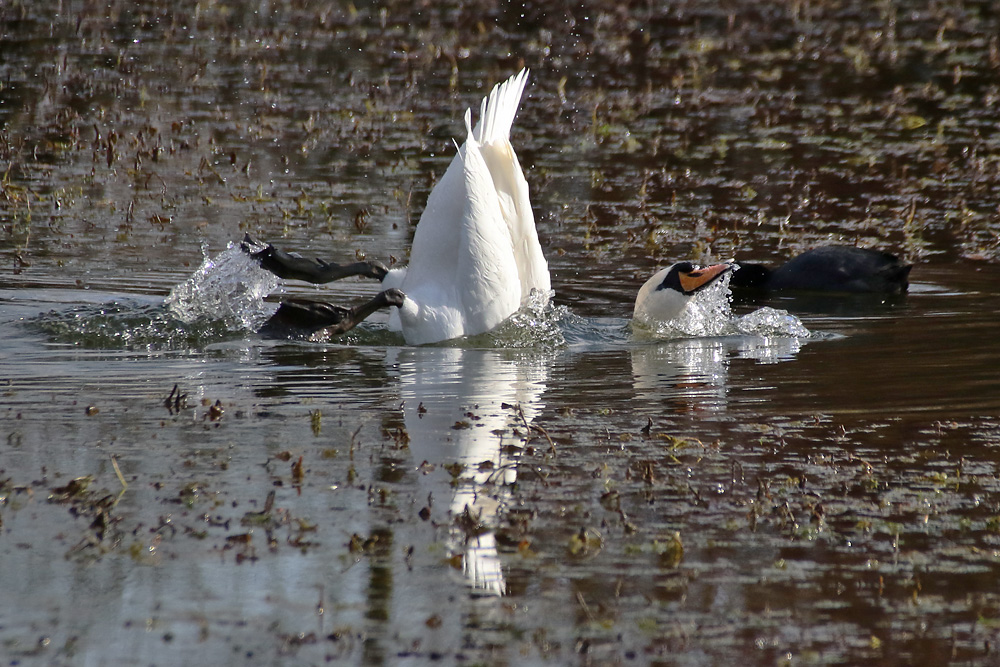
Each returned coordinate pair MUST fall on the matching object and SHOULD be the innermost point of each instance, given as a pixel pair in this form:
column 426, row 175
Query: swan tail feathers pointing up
column 468, row 123
column 475, row 255
column 497, row 111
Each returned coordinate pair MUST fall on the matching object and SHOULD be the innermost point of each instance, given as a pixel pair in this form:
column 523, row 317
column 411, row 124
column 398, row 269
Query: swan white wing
column 497, row 111
column 475, row 253
column 493, row 134
column 512, row 193
column 458, row 282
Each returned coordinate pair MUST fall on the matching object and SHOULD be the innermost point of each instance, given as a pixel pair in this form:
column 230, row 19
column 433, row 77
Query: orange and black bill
column 700, row 278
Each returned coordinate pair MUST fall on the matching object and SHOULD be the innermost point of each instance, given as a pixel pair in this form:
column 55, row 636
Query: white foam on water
column 230, row 287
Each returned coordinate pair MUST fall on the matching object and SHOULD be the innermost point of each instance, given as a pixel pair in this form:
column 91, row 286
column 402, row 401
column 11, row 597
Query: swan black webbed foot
column 291, row 266
column 303, row 317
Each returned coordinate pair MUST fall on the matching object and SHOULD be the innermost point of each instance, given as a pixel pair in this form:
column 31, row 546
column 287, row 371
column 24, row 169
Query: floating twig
column 121, row 478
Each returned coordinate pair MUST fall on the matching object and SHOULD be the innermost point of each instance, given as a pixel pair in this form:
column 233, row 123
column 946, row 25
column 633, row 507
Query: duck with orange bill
column 665, row 296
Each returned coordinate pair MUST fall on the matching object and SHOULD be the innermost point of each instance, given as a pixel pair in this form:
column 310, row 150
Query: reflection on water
column 473, row 408
column 695, row 372
column 838, row 507
column 388, row 432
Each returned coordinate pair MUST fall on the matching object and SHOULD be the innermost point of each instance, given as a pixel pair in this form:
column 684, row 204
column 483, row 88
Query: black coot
column 829, row 269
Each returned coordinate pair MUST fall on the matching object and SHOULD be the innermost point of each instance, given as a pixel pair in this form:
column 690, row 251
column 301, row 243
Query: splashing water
column 537, row 325
column 709, row 313
column 769, row 321
column 128, row 325
column 225, row 296
column 230, row 287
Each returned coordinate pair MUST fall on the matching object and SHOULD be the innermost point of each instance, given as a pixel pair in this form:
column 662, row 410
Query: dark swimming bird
column 295, row 267
column 304, row 317
column 829, row 269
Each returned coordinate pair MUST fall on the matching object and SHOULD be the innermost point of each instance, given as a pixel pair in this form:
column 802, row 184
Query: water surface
column 582, row 496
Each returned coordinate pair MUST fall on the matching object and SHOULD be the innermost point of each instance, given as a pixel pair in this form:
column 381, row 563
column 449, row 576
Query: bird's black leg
column 303, row 317
column 291, row 266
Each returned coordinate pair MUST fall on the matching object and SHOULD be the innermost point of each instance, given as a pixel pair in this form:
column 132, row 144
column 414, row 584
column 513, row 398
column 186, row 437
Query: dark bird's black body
column 304, row 317
column 829, row 269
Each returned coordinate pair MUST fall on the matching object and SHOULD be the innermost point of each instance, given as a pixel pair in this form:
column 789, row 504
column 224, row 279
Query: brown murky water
column 585, row 498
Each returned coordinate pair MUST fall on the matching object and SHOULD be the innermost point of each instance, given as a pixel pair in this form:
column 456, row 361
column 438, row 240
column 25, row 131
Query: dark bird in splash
column 304, row 317
column 297, row 317
column 291, row 266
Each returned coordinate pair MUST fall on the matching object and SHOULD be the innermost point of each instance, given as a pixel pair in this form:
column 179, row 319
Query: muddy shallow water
column 576, row 495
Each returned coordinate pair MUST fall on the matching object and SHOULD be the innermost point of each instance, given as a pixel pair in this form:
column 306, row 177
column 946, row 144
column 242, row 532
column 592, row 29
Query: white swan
column 475, row 255
column 664, row 297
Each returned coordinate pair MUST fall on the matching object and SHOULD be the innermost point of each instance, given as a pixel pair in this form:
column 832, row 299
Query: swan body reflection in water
column 476, row 407
column 463, row 406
